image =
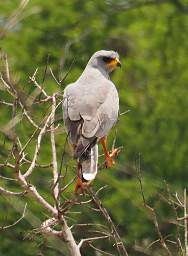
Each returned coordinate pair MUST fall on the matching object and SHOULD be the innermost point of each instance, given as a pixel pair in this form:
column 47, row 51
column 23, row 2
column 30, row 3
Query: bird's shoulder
column 90, row 87
column 69, row 88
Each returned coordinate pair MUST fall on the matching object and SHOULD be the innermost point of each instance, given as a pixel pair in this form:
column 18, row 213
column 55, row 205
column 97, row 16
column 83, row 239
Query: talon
column 79, row 183
column 79, row 186
column 108, row 155
column 114, row 152
column 109, row 162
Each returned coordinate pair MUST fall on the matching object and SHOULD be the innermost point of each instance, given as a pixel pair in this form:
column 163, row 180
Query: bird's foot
column 115, row 152
column 81, row 185
column 109, row 161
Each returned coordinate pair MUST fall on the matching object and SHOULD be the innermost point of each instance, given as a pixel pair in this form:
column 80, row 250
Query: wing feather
column 97, row 106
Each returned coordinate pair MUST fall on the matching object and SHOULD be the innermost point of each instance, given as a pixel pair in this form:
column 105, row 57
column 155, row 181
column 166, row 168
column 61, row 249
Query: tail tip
column 89, row 176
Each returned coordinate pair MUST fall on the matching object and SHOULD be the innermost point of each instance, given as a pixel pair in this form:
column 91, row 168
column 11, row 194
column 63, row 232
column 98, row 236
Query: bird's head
column 106, row 60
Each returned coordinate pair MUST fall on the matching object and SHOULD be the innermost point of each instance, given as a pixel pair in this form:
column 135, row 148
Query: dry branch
column 16, row 222
column 152, row 212
column 118, row 242
column 10, row 193
column 37, row 148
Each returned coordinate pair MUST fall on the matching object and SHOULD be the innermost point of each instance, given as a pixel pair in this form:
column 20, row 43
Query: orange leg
column 108, row 159
column 79, row 183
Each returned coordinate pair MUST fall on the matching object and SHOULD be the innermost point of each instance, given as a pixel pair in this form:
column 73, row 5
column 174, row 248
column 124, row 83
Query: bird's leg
column 108, row 157
column 79, row 183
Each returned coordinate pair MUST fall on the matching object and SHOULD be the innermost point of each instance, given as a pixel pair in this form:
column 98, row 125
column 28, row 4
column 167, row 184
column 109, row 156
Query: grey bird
column 90, row 109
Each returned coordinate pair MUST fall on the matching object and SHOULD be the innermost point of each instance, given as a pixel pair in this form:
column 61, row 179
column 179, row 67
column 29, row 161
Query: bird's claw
column 109, row 162
column 79, row 186
column 115, row 152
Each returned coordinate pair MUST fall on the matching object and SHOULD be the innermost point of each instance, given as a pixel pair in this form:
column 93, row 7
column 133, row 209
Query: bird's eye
column 107, row 59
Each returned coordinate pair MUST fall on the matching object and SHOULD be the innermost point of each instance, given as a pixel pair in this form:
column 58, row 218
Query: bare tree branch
column 152, row 212
column 10, row 193
column 16, row 222
column 91, row 239
column 37, row 148
column 118, row 242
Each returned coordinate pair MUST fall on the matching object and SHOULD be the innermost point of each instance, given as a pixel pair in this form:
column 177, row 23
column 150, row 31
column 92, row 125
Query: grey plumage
column 90, row 109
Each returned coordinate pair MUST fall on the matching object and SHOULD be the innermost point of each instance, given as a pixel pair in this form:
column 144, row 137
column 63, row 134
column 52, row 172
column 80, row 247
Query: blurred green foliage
column 152, row 84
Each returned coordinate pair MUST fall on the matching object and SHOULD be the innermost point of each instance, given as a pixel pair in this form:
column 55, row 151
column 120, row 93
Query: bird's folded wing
column 97, row 108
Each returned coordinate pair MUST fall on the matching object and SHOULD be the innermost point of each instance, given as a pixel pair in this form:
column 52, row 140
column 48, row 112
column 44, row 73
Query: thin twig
column 125, row 112
column 55, row 79
column 118, row 242
column 100, row 251
column 91, row 239
column 40, row 87
column 68, row 72
column 6, row 103
column 10, row 193
column 37, row 148
column 152, row 211
column 16, row 222
column 173, row 203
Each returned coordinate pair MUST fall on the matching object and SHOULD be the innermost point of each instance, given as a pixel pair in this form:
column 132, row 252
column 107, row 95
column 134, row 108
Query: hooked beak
column 118, row 62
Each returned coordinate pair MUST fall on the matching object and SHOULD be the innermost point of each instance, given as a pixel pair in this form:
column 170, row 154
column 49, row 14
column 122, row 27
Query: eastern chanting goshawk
column 90, row 109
